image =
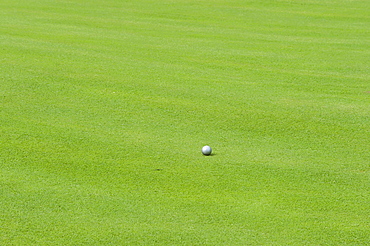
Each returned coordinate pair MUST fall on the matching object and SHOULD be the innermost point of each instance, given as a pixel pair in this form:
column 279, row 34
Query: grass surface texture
column 106, row 104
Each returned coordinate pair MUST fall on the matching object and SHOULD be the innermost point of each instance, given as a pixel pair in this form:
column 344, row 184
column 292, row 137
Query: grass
column 105, row 106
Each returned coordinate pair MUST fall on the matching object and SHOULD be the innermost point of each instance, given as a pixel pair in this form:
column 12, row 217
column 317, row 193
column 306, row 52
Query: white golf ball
column 206, row 150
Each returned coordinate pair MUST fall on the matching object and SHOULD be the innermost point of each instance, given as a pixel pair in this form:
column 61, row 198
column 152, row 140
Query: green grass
column 105, row 106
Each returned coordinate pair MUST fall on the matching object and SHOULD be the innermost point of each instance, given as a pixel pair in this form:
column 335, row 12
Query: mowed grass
column 105, row 106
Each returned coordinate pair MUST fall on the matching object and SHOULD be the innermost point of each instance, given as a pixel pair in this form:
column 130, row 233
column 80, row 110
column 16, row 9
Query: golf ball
column 206, row 150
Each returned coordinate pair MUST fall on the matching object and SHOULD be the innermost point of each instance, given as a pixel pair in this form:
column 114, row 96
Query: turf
column 105, row 106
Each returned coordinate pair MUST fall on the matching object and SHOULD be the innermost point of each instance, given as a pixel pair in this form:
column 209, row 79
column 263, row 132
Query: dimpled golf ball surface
column 206, row 150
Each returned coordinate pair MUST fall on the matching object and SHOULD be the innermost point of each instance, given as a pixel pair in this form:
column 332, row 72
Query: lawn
column 106, row 104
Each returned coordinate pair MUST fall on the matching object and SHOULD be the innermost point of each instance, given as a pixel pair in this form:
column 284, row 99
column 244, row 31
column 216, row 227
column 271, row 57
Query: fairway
column 105, row 106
